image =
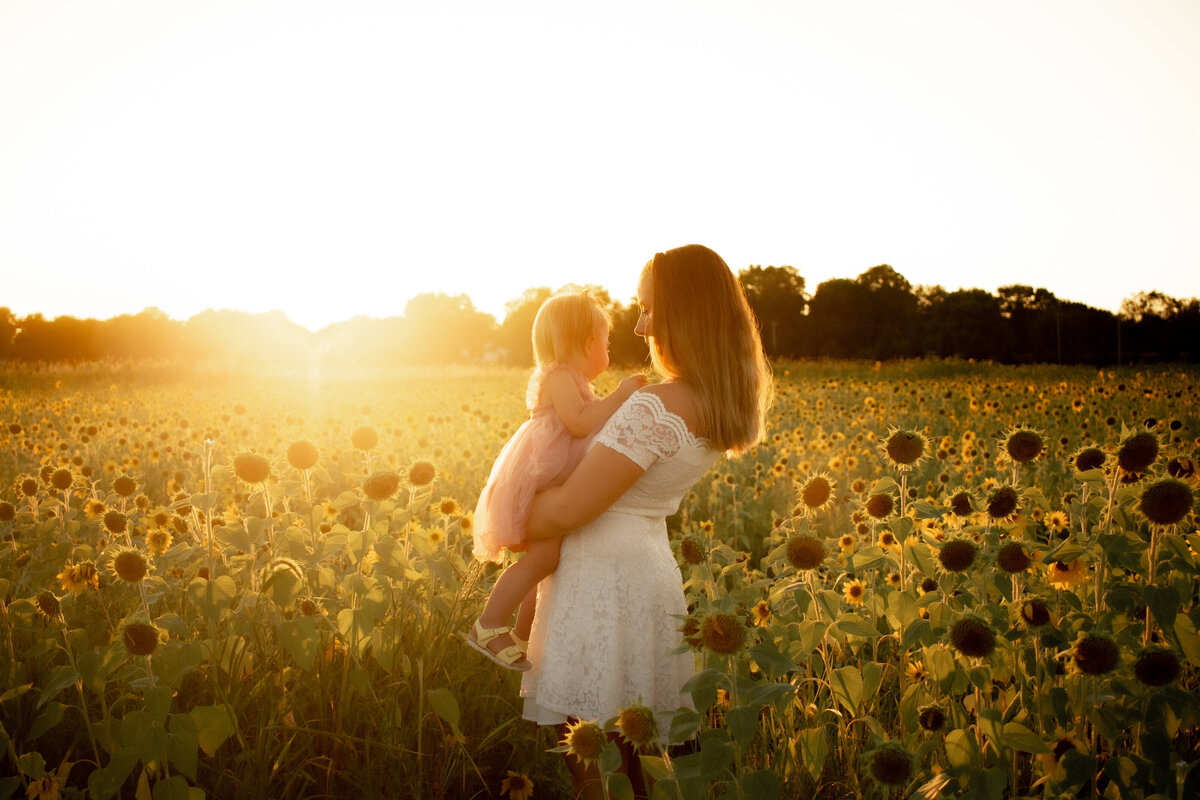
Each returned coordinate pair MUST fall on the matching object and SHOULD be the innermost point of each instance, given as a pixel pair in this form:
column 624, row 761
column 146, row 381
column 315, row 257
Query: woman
column 604, row 628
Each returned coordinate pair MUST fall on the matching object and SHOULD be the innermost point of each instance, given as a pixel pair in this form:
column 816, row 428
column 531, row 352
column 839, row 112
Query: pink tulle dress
column 541, row 453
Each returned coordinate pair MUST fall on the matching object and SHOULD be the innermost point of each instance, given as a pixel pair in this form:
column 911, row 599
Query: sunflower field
column 933, row 579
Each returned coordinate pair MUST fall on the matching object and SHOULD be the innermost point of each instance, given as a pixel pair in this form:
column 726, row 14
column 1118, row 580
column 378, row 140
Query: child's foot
column 498, row 645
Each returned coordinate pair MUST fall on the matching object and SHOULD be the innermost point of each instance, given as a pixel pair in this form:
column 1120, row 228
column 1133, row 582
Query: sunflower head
column 805, row 552
column 692, row 551
column 130, row 565
column 251, row 467
column 957, row 555
column 1156, row 666
column 931, row 718
column 855, row 592
column 1166, row 501
column 1023, row 445
column 722, row 633
column 891, row 765
column 815, row 493
column 1095, row 654
column 904, row 449
column 1137, row 452
column 1012, row 558
column 1088, row 458
column 381, row 485
column 125, row 486
column 880, row 505
column 584, row 740
column 140, row 639
column 637, row 725
column 302, row 455
column 972, row 637
column 1002, row 503
column 421, row 473
column 1035, row 613
column 364, row 438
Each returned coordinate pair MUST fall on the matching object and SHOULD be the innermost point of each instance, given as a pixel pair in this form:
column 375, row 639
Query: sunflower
column 855, row 591
column 722, row 633
column 251, row 467
column 1058, row 520
column 971, row 637
column 1166, row 501
column 761, row 612
column 421, row 473
column 584, row 740
column 891, row 765
column 880, row 505
column 815, row 493
column 916, row 671
column 846, row 543
column 364, row 438
column 79, row 576
column 516, row 786
column 1023, row 445
column 805, row 552
column 637, row 725
column 1064, row 576
column 904, row 449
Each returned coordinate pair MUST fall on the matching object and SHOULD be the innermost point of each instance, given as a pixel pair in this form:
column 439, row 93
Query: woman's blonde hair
column 704, row 334
column 563, row 325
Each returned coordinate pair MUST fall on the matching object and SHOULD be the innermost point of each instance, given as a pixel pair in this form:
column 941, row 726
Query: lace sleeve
column 643, row 430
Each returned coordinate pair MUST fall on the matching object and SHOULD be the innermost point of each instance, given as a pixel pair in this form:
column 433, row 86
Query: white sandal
column 511, row 657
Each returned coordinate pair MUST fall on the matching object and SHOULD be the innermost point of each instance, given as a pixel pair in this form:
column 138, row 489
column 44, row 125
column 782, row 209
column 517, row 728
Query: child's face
column 595, row 354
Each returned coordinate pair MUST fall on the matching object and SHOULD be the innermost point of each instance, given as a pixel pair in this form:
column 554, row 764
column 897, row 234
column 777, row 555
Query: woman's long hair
column 705, row 335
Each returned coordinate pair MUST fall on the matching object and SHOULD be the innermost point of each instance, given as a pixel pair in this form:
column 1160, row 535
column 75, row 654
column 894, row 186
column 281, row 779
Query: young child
column 570, row 345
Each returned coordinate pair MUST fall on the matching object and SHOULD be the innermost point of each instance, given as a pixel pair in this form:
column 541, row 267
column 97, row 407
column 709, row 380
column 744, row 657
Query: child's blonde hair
column 705, row 335
column 563, row 325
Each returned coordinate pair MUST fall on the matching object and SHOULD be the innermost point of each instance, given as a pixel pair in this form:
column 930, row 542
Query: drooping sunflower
column 637, row 725
column 584, row 740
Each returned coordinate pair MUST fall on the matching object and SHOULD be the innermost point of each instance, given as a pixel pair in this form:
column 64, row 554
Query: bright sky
column 333, row 159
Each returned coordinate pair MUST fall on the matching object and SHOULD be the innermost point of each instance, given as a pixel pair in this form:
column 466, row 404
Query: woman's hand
column 602, row 477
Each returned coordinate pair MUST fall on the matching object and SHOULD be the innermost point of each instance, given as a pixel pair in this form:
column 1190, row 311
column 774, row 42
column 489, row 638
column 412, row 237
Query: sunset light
column 336, row 160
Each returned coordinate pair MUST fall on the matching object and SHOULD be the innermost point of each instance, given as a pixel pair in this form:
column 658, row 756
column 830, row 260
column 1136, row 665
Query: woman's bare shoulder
column 678, row 399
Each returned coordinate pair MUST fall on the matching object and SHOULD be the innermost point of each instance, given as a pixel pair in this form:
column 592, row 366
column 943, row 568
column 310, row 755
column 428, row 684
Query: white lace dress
column 604, row 625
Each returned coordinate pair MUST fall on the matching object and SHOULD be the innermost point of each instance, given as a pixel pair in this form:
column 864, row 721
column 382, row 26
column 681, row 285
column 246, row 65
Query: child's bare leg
column 513, row 587
column 525, row 615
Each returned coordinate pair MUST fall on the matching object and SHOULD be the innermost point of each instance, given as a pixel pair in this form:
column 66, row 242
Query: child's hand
column 631, row 385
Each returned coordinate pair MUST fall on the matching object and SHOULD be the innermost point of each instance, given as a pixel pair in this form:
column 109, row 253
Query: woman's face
column 646, row 301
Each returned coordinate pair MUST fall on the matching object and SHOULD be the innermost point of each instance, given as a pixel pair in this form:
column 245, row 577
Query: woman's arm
column 601, row 477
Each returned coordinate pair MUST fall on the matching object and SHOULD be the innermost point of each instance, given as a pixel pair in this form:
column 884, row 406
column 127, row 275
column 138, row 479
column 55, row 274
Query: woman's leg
column 515, row 585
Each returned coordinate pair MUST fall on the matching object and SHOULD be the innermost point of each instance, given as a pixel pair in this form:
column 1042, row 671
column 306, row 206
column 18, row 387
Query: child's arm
column 582, row 418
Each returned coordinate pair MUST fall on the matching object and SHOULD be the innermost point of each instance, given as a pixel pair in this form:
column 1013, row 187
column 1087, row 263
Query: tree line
column 879, row 316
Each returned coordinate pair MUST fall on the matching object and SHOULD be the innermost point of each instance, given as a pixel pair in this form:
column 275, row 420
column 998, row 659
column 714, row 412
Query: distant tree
column 441, row 329
column 61, row 339
column 967, row 324
column 8, row 332
column 837, row 328
column 148, row 334
column 1149, row 304
column 515, row 333
column 264, row 339
column 777, row 296
column 889, row 315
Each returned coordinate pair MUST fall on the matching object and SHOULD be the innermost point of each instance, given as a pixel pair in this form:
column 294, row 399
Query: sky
column 335, row 159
